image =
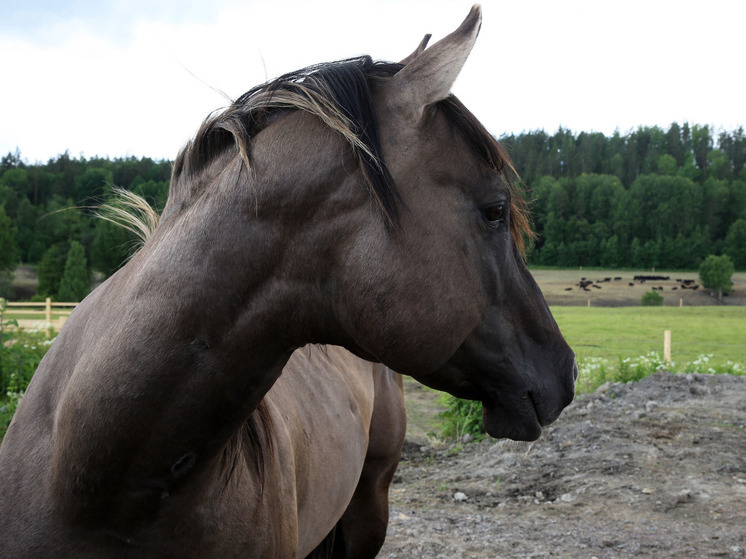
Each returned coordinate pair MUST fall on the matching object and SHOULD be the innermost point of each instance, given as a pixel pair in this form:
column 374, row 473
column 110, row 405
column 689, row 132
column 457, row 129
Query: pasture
column 560, row 287
column 612, row 333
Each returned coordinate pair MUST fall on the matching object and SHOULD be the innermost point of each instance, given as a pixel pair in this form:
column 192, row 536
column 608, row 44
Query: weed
column 20, row 355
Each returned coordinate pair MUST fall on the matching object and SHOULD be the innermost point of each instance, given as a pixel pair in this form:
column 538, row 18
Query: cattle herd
column 585, row 284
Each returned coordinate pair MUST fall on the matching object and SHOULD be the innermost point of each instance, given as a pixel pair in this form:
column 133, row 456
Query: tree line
column 648, row 198
column 47, row 218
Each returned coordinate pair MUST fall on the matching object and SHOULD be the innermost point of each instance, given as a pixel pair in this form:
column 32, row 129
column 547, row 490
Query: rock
column 459, row 496
column 684, row 496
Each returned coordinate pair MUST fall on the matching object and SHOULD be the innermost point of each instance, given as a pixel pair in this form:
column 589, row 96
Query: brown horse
column 354, row 203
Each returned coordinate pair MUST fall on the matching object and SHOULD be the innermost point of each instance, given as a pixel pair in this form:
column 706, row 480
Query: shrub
column 463, row 417
column 19, row 357
column 652, row 299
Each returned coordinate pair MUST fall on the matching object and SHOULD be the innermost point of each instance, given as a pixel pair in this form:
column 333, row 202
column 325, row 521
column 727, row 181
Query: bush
column 20, row 354
column 463, row 417
column 652, row 299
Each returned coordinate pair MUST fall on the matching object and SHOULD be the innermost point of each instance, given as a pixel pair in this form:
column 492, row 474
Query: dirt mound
column 651, row 469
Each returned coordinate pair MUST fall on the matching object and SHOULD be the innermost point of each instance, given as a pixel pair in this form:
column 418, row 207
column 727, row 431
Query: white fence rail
column 39, row 315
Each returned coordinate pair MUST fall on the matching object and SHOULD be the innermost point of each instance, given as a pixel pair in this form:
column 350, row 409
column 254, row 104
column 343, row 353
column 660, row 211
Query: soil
column 655, row 468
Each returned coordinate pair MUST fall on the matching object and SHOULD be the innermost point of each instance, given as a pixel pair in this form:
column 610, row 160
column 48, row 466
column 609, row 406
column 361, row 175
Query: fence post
column 667, row 346
column 49, row 311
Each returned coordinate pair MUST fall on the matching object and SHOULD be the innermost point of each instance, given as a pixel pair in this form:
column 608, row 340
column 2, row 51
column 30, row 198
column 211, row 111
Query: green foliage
column 3, row 321
column 652, row 299
column 75, row 283
column 53, row 204
column 462, row 417
column 8, row 252
column 735, row 242
column 20, row 355
column 110, row 247
column 716, row 272
column 8, row 255
column 651, row 197
column 50, row 271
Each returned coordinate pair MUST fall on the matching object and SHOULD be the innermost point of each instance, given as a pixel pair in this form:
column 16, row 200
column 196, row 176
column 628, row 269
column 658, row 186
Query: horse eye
column 494, row 214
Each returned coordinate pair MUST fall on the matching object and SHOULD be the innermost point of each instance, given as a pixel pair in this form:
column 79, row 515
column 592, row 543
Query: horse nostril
column 575, row 370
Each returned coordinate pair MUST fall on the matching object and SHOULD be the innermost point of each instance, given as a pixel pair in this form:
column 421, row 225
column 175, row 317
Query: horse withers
column 355, row 203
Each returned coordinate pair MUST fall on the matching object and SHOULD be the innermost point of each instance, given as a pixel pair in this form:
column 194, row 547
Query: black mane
column 343, row 86
column 340, row 94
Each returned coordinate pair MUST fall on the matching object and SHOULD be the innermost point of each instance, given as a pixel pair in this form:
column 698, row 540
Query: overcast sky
column 136, row 77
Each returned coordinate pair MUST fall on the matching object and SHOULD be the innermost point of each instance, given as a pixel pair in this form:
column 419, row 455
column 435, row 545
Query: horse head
column 361, row 204
column 445, row 296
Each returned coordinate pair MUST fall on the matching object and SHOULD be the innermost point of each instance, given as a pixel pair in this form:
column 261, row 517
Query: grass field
column 611, row 333
column 623, row 344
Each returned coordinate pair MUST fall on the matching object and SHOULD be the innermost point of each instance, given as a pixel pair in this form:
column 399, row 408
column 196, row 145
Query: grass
column 629, row 332
column 40, row 316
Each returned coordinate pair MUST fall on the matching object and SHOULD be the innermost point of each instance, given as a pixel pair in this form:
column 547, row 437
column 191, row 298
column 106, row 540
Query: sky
column 136, row 78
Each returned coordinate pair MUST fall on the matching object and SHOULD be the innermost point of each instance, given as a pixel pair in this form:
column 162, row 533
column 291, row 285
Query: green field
column 631, row 331
column 621, row 340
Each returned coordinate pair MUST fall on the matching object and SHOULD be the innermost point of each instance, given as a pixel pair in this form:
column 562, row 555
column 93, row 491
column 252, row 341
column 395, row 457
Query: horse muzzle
column 521, row 415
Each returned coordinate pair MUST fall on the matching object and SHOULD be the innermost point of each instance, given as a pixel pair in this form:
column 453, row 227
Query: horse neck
column 175, row 351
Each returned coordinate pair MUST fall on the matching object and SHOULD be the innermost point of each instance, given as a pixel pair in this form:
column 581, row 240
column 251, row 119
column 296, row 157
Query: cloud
column 136, row 78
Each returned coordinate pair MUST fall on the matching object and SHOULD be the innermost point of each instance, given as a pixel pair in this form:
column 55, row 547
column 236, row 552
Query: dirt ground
column 651, row 469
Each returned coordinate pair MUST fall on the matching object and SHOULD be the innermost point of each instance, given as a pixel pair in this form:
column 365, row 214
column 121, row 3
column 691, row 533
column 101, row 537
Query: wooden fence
column 39, row 315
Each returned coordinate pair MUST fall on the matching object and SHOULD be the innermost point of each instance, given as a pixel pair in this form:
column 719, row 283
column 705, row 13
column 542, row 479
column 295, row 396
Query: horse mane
column 339, row 94
column 132, row 212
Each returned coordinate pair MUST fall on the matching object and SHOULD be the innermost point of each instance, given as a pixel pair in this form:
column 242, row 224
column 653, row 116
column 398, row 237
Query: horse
column 357, row 204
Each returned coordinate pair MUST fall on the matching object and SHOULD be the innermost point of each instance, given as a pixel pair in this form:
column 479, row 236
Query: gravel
column 655, row 468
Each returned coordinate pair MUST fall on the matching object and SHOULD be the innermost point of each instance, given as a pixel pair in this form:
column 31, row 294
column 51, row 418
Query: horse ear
column 418, row 50
column 429, row 76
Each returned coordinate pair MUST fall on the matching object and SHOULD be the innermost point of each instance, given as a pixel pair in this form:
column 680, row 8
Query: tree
column 715, row 273
column 8, row 255
column 50, row 271
column 735, row 243
column 75, row 283
column 111, row 247
column 8, row 252
column 667, row 165
column 91, row 184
